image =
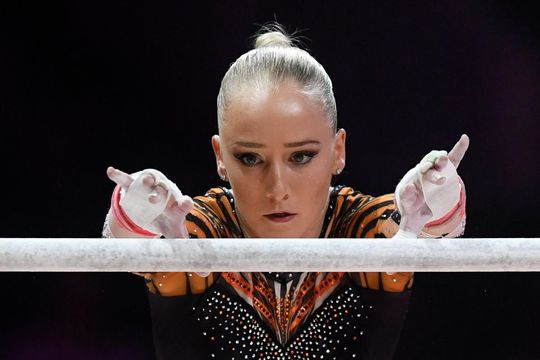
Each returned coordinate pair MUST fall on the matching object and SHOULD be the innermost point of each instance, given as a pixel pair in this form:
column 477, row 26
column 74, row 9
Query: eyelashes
column 298, row 158
column 303, row 157
column 248, row 159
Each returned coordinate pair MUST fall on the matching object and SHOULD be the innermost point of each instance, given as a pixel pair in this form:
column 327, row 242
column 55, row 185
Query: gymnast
column 278, row 150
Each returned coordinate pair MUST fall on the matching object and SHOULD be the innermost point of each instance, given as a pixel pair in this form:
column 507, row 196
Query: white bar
column 216, row 255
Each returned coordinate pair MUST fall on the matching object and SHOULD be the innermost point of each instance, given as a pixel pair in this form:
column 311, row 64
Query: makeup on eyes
column 252, row 159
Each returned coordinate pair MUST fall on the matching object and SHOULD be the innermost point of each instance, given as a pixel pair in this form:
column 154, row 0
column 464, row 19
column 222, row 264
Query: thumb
column 119, row 177
column 185, row 203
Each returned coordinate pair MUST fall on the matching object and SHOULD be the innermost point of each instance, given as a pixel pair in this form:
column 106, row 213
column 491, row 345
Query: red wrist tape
column 122, row 219
column 453, row 211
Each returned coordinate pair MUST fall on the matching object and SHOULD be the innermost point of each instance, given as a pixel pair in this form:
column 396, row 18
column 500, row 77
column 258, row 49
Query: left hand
column 431, row 189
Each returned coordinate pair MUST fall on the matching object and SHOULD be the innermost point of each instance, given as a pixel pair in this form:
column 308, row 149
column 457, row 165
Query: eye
column 303, row 157
column 248, row 159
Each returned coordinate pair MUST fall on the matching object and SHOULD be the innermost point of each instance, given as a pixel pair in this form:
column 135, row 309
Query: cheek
column 320, row 173
column 313, row 186
column 246, row 187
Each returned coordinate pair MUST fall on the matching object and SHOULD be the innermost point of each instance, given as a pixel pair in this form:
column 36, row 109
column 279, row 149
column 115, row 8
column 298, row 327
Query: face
column 279, row 152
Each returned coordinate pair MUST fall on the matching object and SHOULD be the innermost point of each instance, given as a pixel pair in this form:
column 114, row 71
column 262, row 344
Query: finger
column 157, row 195
column 459, row 150
column 121, row 178
column 434, row 177
column 185, row 204
column 149, row 180
column 425, row 166
column 154, row 197
column 441, row 162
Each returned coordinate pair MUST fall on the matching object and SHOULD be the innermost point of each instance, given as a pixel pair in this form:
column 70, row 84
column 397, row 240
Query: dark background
column 87, row 84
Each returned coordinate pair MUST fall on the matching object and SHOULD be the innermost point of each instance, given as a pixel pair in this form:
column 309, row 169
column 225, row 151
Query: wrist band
column 122, row 219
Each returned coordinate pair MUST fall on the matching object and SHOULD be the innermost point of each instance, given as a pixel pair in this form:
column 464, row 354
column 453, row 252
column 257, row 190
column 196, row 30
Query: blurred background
column 133, row 84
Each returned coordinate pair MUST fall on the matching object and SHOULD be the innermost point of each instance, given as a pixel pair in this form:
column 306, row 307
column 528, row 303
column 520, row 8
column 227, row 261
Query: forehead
column 283, row 112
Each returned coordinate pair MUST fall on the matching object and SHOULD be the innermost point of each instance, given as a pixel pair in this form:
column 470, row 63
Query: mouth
column 280, row 217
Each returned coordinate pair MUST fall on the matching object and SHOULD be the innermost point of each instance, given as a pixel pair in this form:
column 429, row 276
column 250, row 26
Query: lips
column 280, row 217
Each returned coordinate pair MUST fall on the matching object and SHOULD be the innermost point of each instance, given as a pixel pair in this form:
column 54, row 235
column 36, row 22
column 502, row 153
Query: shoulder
column 215, row 197
column 346, row 197
column 214, row 215
column 354, row 214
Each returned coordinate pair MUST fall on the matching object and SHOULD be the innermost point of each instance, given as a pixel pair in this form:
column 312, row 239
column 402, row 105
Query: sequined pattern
column 235, row 331
column 284, row 306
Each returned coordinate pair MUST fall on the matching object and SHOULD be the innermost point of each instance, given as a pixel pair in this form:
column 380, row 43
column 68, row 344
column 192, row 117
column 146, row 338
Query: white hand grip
column 440, row 199
column 135, row 201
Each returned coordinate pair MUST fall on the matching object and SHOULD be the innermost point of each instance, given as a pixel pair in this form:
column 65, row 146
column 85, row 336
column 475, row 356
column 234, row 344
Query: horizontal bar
column 216, row 255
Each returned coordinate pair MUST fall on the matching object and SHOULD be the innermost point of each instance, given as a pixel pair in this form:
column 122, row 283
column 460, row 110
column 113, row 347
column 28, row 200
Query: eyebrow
column 302, row 143
column 289, row 145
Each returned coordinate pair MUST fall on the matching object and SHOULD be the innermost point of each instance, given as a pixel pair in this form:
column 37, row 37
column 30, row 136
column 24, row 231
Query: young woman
column 278, row 148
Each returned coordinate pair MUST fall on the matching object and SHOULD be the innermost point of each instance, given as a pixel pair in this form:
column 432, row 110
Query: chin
column 280, row 234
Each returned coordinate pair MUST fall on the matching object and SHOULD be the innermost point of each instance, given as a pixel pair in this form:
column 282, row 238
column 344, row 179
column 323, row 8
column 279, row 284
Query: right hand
column 154, row 191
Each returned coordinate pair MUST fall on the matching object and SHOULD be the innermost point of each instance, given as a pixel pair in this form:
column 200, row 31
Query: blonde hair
column 275, row 60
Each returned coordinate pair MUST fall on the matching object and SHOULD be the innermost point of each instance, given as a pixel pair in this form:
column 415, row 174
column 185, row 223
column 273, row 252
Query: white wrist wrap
column 135, row 201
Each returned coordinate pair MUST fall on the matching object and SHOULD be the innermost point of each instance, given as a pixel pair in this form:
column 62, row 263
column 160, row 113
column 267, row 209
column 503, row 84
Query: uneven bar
column 216, row 255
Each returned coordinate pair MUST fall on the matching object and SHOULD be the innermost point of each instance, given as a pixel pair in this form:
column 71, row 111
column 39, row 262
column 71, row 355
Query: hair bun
column 273, row 38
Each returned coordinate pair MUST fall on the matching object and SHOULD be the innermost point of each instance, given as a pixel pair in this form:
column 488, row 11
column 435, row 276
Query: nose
column 277, row 188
